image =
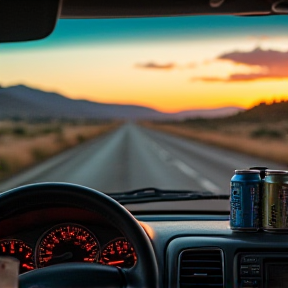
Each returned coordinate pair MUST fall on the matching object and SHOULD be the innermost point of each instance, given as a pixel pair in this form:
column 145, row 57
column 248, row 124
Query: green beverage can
column 275, row 201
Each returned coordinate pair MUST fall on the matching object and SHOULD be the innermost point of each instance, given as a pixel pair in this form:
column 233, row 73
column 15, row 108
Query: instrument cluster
column 69, row 242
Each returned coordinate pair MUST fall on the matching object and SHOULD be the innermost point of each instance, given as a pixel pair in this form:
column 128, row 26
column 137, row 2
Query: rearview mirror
column 27, row 20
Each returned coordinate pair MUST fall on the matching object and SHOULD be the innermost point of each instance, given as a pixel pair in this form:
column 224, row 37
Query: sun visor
column 27, row 20
column 151, row 8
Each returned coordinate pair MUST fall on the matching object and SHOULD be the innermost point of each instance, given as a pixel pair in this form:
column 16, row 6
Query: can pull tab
column 280, row 7
column 9, row 272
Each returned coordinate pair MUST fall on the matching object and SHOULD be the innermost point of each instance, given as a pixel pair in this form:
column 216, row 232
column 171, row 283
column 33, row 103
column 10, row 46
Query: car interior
column 71, row 235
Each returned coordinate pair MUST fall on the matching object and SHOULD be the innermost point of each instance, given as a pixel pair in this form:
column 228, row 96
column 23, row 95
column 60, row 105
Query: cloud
column 273, row 65
column 152, row 65
column 166, row 66
column 209, row 79
column 259, row 57
column 234, row 78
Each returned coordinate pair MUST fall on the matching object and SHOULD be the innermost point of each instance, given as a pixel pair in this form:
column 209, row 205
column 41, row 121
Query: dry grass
column 26, row 144
column 235, row 137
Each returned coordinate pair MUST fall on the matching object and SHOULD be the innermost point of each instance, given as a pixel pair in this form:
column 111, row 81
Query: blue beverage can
column 245, row 200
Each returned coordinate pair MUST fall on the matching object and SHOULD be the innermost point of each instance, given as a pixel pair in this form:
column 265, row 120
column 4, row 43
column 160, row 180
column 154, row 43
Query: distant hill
column 22, row 101
column 264, row 113
column 25, row 102
column 208, row 113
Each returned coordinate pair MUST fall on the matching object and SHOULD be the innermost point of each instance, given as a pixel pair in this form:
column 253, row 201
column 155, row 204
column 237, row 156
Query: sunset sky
column 169, row 64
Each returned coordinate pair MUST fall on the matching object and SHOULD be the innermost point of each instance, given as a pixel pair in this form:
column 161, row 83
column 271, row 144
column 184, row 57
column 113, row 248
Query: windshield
column 173, row 103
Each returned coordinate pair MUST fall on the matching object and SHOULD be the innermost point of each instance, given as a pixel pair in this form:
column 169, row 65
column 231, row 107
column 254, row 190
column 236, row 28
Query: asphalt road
column 134, row 157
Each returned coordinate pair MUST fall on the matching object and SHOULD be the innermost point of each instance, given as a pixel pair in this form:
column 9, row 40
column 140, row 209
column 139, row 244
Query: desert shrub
column 4, row 131
column 19, row 131
column 49, row 130
column 4, row 166
column 38, row 154
column 267, row 133
column 80, row 138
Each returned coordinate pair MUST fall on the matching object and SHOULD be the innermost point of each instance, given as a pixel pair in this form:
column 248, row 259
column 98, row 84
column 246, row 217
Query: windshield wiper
column 154, row 195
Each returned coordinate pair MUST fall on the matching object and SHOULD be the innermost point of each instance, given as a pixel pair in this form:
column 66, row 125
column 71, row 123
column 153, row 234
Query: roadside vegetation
column 261, row 131
column 26, row 143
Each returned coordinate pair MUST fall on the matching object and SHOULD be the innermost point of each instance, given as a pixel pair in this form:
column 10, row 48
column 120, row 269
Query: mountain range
column 26, row 102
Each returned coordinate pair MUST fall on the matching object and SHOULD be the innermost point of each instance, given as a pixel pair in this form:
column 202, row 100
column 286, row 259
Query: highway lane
column 134, row 157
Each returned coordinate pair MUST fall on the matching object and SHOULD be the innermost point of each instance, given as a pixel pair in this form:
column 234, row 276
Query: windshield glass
column 173, row 103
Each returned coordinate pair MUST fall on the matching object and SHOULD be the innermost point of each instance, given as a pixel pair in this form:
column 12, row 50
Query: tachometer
column 119, row 252
column 67, row 243
column 20, row 250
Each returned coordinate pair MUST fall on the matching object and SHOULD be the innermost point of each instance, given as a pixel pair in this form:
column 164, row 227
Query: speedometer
column 67, row 243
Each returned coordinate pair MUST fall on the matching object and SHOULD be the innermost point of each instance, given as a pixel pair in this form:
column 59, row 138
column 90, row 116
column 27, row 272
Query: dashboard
column 47, row 237
column 202, row 250
column 182, row 243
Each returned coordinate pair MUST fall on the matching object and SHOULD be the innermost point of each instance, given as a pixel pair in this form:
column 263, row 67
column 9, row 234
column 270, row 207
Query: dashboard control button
column 244, row 270
column 247, row 283
column 255, row 270
column 249, row 260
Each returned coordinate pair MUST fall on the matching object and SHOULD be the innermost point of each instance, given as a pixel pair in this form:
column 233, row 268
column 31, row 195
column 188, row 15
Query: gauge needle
column 62, row 257
column 27, row 266
column 115, row 262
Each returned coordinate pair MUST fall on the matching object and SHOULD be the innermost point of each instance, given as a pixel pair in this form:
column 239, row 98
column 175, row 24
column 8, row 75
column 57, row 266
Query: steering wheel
column 75, row 275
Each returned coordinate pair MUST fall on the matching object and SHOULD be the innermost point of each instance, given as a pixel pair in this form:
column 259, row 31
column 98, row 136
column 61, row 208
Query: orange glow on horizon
column 109, row 75
column 169, row 109
column 213, row 98
column 210, row 96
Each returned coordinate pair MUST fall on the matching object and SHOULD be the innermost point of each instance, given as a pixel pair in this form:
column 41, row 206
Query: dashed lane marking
column 185, row 168
column 167, row 157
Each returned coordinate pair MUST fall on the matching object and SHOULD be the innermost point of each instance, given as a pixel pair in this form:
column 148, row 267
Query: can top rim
column 247, row 171
column 258, row 168
column 276, row 172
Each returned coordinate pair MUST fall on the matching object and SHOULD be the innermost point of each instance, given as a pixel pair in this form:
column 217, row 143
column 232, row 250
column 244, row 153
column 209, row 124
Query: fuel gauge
column 118, row 252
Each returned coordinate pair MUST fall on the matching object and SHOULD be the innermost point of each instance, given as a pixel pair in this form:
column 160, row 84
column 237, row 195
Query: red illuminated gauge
column 120, row 253
column 20, row 250
column 67, row 243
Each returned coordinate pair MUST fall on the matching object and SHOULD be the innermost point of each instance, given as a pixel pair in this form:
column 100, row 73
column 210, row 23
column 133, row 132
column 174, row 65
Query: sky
column 169, row 63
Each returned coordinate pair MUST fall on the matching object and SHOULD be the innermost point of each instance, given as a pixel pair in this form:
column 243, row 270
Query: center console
column 267, row 270
column 249, row 260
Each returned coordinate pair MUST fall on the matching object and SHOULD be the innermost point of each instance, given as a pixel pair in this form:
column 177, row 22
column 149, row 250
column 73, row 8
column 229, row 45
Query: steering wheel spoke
column 73, row 275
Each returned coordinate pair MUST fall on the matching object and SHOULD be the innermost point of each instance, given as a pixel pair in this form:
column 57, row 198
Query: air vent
column 201, row 268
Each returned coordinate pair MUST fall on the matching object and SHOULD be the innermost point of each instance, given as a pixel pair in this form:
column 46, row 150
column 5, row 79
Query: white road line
column 166, row 156
column 185, row 169
column 162, row 153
